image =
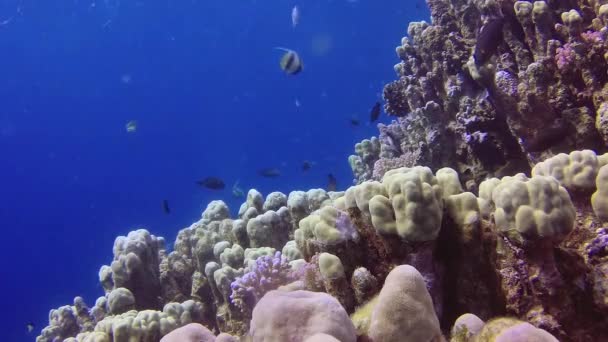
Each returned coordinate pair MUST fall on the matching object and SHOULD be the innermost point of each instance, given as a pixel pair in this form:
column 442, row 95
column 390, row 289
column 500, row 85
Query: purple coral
column 565, row 57
column 267, row 273
column 598, row 247
column 345, row 226
column 593, row 37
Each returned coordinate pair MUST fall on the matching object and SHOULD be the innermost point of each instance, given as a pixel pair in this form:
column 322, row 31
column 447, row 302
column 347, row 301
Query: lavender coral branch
column 267, row 273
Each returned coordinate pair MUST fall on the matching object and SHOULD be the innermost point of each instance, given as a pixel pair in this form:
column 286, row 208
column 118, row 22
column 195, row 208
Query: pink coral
column 565, row 57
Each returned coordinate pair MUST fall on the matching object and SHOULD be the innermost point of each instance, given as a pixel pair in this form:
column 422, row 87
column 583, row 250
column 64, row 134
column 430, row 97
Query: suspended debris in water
column 290, row 62
column 213, row 183
column 269, row 172
column 332, row 182
column 295, row 16
column 237, row 192
column 375, row 112
column 490, row 36
column 131, row 126
column 166, row 208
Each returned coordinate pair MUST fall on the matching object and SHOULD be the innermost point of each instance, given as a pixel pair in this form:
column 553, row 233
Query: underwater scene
column 304, row 171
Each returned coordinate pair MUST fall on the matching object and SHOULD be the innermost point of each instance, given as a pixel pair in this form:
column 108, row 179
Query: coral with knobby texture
column 599, row 199
column 576, row 171
column 404, row 311
column 120, row 300
column 413, row 208
column 362, row 162
column 135, row 267
column 298, row 315
column 67, row 321
column 535, row 209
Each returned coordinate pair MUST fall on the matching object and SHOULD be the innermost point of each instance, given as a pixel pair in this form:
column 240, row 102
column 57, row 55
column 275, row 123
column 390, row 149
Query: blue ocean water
column 203, row 81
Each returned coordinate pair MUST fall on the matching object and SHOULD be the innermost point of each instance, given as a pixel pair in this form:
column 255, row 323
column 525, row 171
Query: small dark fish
column 546, row 138
column 354, row 122
column 213, row 183
column 375, row 112
column 166, row 208
column 332, row 182
column 30, row 327
column 306, row 165
column 488, row 39
column 269, row 172
column 291, row 63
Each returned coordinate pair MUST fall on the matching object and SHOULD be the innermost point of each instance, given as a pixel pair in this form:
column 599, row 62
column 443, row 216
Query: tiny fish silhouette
column 166, row 208
column 30, row 327
column 269, row 172
column 213, row 183
column 295, row 16
column 332, row 182
column 131, row 126
column 306, row 165
column 354, row 122
column 375, row 112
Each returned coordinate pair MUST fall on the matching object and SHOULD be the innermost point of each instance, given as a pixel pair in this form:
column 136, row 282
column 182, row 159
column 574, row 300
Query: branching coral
column 267, row 273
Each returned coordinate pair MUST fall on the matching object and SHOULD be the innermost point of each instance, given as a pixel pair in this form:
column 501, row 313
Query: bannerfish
column 166, row 208
column 30, row 327
column 237, row 192
column 290, row 63
column 213, row 183
column 332, row 182
column 488, row 39
column 295, row 16
column 131, row 126
column 306, row 165
column 375, row 112
column 269, row 172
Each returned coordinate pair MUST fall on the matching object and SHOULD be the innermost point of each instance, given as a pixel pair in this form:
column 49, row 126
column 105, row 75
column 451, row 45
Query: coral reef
column 540, row 89
column 500, row 236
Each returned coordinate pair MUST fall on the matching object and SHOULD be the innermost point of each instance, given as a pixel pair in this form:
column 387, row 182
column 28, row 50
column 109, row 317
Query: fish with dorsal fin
column 290, row 62
column 375, row 112
column 213, row 183
column 488, row 39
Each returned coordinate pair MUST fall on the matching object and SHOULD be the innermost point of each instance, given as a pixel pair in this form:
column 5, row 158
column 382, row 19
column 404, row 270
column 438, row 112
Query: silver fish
column 295, row 16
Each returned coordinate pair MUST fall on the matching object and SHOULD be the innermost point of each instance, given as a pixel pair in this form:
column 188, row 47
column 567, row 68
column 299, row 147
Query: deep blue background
column 209, row 98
